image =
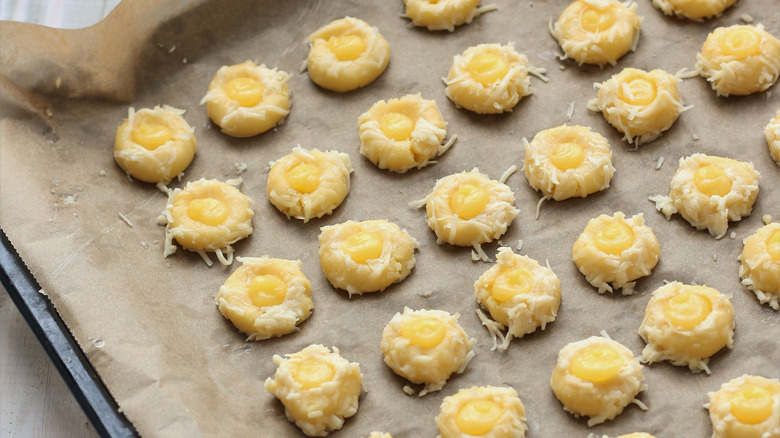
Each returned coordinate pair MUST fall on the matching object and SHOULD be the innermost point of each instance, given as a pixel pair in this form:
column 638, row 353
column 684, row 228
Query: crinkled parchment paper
column 150, row 326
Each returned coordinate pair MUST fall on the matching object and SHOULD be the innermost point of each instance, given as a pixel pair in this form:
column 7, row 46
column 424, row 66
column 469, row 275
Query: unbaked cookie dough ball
column 402, row 134
column 247, row 99
column 519, row 293
column 347, row 54
column 426, row 347
column 318, row 389
column 266, row 297
column 366, row 256
column 772, row 132
column 468, row 209
column 686, row 325
column 597, row 377
column 746, row 407
column 694, row 10
column 490, row 78
column 207, row 215
column 739, row 60
column 308, row 184
column 443, row 14
column 760, row 268
column 154, row 145
column 568, row 161
column 710, row 191
column 597, row 31
column 485, row 411
column 614, row 251
column 639, row 104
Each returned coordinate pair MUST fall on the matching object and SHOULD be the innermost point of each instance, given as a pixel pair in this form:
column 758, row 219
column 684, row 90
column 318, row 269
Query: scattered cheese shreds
column 126, row 219
column 733, row 235
column 659, row 163
column 746, row 18
column 767, row 219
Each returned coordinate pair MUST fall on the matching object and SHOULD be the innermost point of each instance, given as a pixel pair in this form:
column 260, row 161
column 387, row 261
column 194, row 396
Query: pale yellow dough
column 497, row 96
column 393, row 262
column 490, row 223
column 411, row 114
column 772, row 132
column 597, row 31
column 426, row 347
column 519, row 293
column 324, row 183
column 729, row 401
column 240, row 120
column 584, row 157
column 606, row 270
column 639, row 104
column 255, row 311
column 711, row 212
column 760, row 264
column 441, row 14
column 318, row 389
column 359, row 68
column 694, row 10
column 739, row 60
column 153, row 162
column 604, row 400
column 207, row 215
column 485, row 411
column 681, row 339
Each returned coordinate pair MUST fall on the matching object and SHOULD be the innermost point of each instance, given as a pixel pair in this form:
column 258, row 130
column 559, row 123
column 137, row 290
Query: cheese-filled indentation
column 741, row 42
column 346, row 47
column 469, row 200
column 597, row 364
column 614, row 238
column 487, row 68
column 425, row 332
column 245, row 91
column 688, row 309
column 267, row 290
column 303, row 178
column 363, row 246
column 595, row 20
column 151, row 135
column 478, row 417
column 712, row 181
column 208, row 211
column 515, row 282
column 638, row 90
column 397, row 126
column 566, row 156
column 752, row 404
column 312, row 372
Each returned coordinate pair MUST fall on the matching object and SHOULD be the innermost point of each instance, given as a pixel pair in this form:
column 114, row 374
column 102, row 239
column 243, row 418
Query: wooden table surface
column 34, row 400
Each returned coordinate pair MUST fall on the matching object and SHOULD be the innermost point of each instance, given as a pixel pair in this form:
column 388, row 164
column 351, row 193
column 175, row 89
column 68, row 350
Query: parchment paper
column 150, row 326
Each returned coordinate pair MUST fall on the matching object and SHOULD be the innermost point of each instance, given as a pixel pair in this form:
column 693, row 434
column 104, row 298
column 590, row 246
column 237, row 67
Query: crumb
column 714, row 257
column 408, row 390
column 695, row 137
column 58, row 82
column 746, row 18
column 49, row 112
column 767, row 219
column 659, row 163
column 184, row 60
column 240, row 167
column 102, row 173
column 425, row 294
column 519, row 245
column 172, row 49
column 733, row 235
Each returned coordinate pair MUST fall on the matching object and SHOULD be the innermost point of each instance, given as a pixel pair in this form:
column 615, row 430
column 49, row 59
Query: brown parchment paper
column 150, row 326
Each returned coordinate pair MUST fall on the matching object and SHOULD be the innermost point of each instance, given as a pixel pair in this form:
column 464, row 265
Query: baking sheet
column 149, row 325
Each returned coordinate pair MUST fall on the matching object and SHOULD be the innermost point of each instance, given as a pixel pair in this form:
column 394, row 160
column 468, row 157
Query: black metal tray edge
column 64, row 352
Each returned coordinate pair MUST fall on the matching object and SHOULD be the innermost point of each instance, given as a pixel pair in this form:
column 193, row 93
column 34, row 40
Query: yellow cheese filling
column 566, row 156
column 597, row 364
column 614, row 238
column 469, row 200
column 638, row 89
column 266, row 290
column 688, row 309
column 752, row 404
column 303, row 178
column 712, row 180
column 510, row 283
column 346, row 47
column 741, row 42
column 246, row 91
column 423, row 331
column 207, row 211
column 312, row 372
column 488, row 68
column 478, row 417
column 363, row 246
column 151, row 135
column 595, row 20
column 397, row 126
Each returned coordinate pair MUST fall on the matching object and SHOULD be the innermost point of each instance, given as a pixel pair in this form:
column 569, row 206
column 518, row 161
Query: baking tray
column 62, row 349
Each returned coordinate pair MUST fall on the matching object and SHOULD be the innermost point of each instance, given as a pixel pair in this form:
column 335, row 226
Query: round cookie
column 402, row 134
column 346, row 54
column 519, row 293
column 366, row 256
column 745, row 407
column 489, row 78
column 247, row 99
column 442, row 14
column 266, row 297
column 154, row 145
column 597, row 31
column 739, row 60
column 426, row 347
column 598, row 378
column 686, row 325
column 207, row 215
column 316, row 380
column 485, row 411
column 639, row 104
column 694, row 10
column 614, row 251
column 308, row 184
column 760, row 264
column 772, row 132
column 568, row 161
column 468, row 209
column 710, row 191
